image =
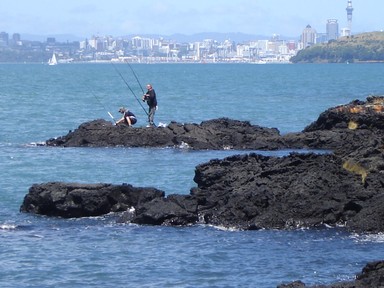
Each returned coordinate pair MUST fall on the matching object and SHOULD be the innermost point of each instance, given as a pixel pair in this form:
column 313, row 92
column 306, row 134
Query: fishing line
column 137, row 79
column 98, row 100
column 129, row 87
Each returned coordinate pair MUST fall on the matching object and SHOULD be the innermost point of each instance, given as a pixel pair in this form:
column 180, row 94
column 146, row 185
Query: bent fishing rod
column 129, row 87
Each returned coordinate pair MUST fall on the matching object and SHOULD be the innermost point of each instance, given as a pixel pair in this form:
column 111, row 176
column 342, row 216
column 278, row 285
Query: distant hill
column 182, row 38
column 59, row 37
column 364, row 47
column 236, row 37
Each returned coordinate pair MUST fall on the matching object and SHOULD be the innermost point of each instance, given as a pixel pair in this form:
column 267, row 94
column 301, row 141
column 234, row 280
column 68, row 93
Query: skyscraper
column 349, row 15
column 308, row 37
column 4, row 38
column 332, row 29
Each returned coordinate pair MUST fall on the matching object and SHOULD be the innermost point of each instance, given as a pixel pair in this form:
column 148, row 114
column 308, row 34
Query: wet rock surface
column 371, row 276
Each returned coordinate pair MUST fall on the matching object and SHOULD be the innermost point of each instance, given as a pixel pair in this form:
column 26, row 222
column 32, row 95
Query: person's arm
column 145, row 96
column 120, row 121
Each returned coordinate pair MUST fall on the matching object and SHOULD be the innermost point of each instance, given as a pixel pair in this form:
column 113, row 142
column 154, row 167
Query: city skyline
column 83, row 18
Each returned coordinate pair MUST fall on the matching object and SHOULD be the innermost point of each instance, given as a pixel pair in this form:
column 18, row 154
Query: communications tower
column 349, row 15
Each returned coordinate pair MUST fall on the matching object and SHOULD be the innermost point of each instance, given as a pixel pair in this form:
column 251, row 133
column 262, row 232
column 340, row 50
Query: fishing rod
column 98, row 100
column 137, row 79
column 129, row 87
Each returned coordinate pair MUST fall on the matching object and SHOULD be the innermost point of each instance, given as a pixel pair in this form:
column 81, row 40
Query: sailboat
column 53, row 60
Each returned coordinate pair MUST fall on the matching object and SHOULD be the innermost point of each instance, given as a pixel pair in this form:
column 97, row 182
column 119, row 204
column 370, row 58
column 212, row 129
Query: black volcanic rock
column 72, row 200
column 220, row 133
column 372, row 276
column 344, row 128
column 355, row 115
column 142, row 205
column 248, row 191
column 175, row 210
column 299, row 190
column 243, row 192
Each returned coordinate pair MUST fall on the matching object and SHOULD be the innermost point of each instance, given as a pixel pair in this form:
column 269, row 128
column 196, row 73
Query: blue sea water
column 39, row 102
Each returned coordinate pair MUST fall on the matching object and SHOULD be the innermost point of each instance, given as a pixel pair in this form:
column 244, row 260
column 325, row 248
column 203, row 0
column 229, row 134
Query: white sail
column 53, row 60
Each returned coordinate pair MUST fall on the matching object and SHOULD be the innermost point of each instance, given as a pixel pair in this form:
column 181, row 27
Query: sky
column 85, row 18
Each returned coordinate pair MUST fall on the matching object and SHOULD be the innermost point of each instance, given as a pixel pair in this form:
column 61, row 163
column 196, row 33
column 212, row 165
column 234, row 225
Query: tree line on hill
column 365, row 47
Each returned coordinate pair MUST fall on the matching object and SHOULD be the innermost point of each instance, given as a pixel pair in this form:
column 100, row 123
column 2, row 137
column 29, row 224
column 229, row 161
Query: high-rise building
column 16, row 37
column 349, row 15
column 4, row 38
column 308, row 37
column 332, row 29
column 51, row 40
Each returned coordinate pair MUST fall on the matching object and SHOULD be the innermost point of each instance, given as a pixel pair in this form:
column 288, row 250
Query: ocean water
column 39, row 102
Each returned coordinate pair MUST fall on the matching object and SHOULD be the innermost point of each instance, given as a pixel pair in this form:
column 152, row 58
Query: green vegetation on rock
column 365, row 47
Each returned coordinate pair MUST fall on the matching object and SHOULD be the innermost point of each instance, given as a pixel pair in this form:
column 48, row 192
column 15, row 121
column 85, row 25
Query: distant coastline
column 360, row 48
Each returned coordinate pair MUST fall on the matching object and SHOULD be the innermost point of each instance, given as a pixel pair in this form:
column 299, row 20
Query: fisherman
column 128, row 117
column 150, row 97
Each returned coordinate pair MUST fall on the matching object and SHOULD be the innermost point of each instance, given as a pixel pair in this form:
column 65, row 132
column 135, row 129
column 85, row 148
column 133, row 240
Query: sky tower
column 349, row 15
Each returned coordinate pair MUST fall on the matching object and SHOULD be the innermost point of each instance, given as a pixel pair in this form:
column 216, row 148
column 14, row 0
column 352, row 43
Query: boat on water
column 52, row 60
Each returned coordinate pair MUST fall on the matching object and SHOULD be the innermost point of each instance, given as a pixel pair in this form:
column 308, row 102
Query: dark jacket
column 131, row 116
column 150, row 97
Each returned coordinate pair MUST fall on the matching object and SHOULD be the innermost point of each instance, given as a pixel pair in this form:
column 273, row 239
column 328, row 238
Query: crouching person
column 128, row 117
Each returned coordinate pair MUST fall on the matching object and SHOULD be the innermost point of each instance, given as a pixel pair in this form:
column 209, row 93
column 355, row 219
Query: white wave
column 35, row 144
column 8, row 226
column 184, row 145
column 372, row 238
column 220, row 228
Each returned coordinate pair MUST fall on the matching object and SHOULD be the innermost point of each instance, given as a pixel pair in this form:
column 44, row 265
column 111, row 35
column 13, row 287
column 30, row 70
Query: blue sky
column 84, row 18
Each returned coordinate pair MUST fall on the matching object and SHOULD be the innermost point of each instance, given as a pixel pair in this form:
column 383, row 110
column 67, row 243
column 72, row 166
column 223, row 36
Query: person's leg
column 128, row 121
column 151, row 116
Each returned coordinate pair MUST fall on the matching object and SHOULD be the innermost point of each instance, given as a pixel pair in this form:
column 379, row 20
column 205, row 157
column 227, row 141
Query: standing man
column 150, row 97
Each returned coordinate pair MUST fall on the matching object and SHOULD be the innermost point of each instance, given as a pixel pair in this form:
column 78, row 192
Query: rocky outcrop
column 342, row 188
column 345, row 124
column 344, row 129
column 249, row 191
column 299, row 190
column 372, row 276
column 142, row 205
column 355, row 115
column 243, row 192
column 72, row 200
column 220, row 134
